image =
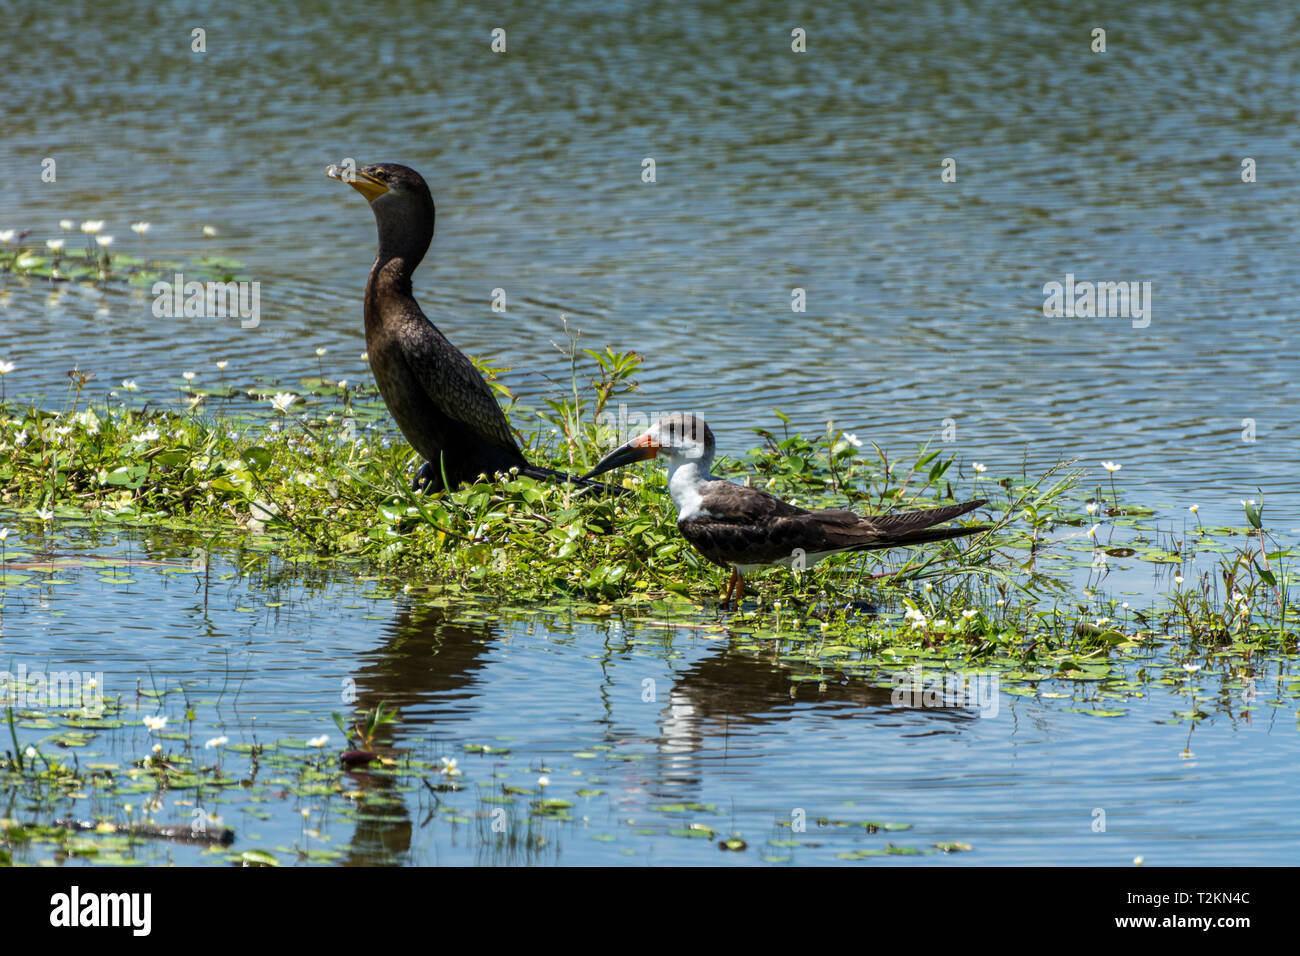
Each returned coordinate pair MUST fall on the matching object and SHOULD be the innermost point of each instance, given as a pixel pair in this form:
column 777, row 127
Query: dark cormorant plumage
column 438, row 399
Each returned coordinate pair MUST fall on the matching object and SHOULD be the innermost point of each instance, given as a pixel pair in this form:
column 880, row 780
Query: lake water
column 645, row 729
column 775, row 170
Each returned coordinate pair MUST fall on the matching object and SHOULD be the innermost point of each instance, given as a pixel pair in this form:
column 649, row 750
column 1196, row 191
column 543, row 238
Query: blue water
column 775, row 170
column 724, row 731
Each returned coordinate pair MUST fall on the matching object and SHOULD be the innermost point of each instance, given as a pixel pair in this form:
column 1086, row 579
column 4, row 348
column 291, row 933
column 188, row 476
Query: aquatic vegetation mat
column 1077, row 601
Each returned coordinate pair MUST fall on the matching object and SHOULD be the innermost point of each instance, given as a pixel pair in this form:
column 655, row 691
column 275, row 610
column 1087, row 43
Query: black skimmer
column 439, row 400
column 744, row 528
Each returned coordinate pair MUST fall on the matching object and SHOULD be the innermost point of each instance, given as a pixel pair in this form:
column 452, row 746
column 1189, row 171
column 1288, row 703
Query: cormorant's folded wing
column 454, row 386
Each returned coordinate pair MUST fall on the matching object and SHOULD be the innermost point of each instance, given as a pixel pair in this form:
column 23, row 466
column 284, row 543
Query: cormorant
column 438, row 399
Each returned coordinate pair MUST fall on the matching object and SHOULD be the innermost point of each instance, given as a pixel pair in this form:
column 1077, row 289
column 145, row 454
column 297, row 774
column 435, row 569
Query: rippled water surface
column 775, row 170
column 646, row 728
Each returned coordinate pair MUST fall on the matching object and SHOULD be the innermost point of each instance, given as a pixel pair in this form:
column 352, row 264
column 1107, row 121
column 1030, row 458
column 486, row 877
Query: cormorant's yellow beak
column 360, row 180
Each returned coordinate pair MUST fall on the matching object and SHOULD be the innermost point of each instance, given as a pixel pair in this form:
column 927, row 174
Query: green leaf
column 259, row 858
column 127, row 476
column 172, row 457
column 258, row 457
column 1265, row 574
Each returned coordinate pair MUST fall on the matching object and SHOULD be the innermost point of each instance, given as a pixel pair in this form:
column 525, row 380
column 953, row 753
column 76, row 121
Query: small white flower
column 1194, row 508
column 7, row 235
column 45, row 515
column 54, row 245
column 188, row 376
column 1092, row 532
column 92, row 226
column 852, row 439
column 320, row 352
column 6, row 368
column 1191, row 668
column 129, row 385
column 150, row 434
column 318, row 741
column 1111, row 466
column 30, row 753
column 155, row 723
column 979, row 468
column 543, row 781
column 104, row 241
column 221, row 366
column 157, row 748
column 139, row 228
column 88, row 420
column 216, row 742
column 1091, row 507
column 1178, row 579
column 969, row 614
column 4, row 534
column 283, row 400
column 209, row 232
column 66, row 224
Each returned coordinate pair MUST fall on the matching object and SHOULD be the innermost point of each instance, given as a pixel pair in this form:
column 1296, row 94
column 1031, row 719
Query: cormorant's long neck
column 404, row 236
column 389, row 282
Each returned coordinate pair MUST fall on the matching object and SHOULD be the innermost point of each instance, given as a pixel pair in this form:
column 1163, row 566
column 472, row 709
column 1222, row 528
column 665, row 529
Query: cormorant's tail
column 916, row 527
column 540, row 473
